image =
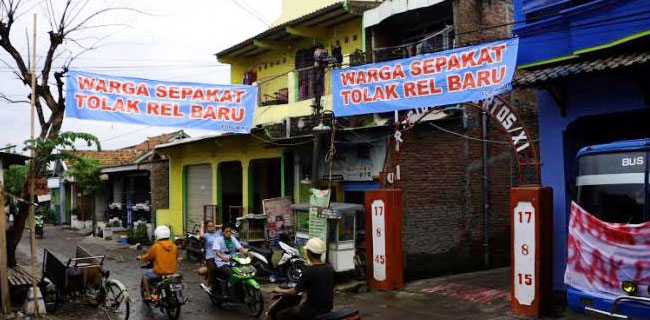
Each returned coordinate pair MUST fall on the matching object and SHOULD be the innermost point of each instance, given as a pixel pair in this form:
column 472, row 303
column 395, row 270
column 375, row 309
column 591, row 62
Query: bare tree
column 66, row 23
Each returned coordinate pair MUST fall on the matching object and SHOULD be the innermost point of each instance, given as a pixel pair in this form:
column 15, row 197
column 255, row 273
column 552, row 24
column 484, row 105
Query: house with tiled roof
column 135, row 185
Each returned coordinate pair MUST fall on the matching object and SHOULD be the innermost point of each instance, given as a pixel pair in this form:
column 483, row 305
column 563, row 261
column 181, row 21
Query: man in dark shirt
column 317, row 281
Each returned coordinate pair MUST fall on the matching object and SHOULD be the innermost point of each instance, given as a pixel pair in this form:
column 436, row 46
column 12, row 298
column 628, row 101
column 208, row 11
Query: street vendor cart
column 339, row 221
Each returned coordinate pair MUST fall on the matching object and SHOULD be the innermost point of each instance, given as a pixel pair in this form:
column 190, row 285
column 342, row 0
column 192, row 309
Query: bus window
column 611, row 186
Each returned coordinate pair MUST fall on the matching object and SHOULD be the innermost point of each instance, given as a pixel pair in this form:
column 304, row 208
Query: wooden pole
column 32, row 176
column 4, row 272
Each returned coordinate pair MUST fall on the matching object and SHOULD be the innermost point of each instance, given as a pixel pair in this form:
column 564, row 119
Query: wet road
column 121, row 262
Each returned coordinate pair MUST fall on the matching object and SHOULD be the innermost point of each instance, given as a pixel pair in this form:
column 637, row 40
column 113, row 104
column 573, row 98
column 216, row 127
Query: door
column 199, row 193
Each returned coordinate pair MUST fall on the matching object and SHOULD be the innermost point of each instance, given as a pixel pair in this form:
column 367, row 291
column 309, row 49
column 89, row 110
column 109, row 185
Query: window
column 306, row 78
column 612, row 186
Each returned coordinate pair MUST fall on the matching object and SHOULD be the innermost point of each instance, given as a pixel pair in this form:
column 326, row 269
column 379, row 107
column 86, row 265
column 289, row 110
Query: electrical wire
column 256, row 16
column 465, row 136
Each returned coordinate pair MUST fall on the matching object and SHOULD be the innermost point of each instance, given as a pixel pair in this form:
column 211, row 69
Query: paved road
column 481, row 295
column 122, row 263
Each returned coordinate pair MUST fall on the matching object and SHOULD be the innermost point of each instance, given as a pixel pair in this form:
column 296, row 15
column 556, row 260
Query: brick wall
column 159, row 175
column 443, row 196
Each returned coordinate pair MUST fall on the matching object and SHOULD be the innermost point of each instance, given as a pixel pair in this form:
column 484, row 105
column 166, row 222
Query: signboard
column 318, row 200
column 524, row 253
column 448, row 77
column 378, row 239
column 227, row 108
column 278, row 215
column 53, row 183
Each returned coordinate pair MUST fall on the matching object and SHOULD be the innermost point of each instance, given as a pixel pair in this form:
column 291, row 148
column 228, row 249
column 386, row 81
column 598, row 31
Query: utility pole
column 32, row 176
column 320, row 55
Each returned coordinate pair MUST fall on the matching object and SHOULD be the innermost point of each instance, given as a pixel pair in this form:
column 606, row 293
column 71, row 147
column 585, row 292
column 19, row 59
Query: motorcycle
column 38, row 226
column 167, row 294
column 282, row 302
column 291, row 265
column 242, row 288
column 193, row 244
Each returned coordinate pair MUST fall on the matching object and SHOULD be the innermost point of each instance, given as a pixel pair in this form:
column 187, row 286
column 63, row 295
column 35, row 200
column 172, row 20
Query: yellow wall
column 293, row 9
column 284, row 78
column 243, row 148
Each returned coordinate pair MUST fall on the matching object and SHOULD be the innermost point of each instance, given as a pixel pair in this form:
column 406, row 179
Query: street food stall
column 339, row 223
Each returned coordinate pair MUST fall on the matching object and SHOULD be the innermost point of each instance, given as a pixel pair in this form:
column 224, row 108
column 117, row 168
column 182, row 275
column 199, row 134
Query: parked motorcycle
column 38, row 226
column 242, row 288
column 281, row 302
column 291, row 265
column 193, row 244
column 167, row 294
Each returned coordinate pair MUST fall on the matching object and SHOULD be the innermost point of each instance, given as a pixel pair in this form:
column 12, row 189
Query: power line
column 256, row 16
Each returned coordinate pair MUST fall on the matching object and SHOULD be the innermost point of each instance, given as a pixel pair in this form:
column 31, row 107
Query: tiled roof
column 112, row 158
column 531, row 78
column 152, row 142
column 108, row 158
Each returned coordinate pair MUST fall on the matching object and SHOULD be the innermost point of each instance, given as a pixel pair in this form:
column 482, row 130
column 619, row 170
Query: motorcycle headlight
column 629, row 287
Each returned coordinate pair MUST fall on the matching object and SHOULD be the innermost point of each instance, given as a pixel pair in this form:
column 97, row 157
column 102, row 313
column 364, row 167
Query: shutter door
column 199, row 193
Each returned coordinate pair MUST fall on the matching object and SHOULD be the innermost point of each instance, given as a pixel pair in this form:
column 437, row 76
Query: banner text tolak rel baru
column 454, row 76
column 227, row 108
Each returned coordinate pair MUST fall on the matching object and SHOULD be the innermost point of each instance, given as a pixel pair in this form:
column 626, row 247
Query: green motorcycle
column 242, row 287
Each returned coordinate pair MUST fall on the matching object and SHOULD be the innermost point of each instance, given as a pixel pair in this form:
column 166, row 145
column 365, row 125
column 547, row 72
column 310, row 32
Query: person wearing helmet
column 226, row 246
column 317, row 281
column 164, row 255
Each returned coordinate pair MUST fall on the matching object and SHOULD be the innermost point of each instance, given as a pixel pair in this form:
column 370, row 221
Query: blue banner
column 448, row 77
column 227, row 108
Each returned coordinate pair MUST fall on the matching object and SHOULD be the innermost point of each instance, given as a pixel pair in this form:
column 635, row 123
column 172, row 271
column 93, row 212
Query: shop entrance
column 265, row 182
column 230, row 190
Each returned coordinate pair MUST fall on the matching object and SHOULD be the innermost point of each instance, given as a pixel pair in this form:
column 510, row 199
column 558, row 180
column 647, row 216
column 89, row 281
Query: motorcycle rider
column 209, row 235
column 164, row 255
column 225, row 246
column 317, row 281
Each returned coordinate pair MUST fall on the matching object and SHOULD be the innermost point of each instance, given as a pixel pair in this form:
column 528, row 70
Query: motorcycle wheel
column 193, row 250
column 295, row 270
column 173, row 308
column 254, row 301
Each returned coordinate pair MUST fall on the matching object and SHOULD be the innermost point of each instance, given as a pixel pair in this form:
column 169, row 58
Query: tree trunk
column 15, row 233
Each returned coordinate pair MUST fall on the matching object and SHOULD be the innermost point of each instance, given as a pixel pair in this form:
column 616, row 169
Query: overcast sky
column 171, row 40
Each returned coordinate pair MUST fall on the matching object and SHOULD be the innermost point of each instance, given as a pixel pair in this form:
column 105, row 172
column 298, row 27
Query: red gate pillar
column 384, row 239
column 531, row 214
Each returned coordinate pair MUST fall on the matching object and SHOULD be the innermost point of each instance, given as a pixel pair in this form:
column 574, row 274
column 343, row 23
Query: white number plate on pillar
column 524, row 251
column 379, row 240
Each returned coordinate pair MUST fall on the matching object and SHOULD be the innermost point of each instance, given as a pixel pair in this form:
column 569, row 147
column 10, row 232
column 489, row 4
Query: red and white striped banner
column 602, row 255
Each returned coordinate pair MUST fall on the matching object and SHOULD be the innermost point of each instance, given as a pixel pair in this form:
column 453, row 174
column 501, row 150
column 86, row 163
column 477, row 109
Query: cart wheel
column 115, row 304
column 360, row 266
column 50, row 298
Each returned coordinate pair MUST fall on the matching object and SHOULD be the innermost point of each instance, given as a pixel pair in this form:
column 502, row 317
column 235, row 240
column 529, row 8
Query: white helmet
column 315, row 246
column 162, row 232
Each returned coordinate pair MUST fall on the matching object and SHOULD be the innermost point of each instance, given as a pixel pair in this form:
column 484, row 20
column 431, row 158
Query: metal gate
column 199, row 193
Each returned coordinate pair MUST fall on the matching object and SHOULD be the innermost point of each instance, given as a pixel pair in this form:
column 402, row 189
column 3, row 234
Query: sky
column 167, row 40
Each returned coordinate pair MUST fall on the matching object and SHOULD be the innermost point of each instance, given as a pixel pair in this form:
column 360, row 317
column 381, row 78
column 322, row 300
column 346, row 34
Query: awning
column 8, row 159
column 534, row 78
column 392, row 7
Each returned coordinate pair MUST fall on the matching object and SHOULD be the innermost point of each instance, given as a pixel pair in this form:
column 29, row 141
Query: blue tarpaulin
column 448, row 77
column 227, row 108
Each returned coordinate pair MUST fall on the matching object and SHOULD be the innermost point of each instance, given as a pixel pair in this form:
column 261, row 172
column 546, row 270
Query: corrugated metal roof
column 354, row 8
column 532, row 78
